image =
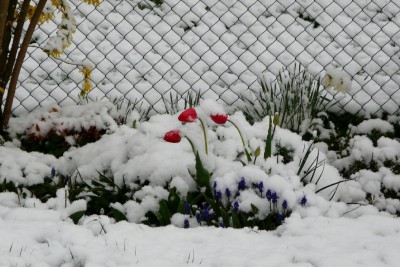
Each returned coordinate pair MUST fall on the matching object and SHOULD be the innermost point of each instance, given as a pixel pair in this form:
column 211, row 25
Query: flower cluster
column 63, row 38
column 337, row 79
column 57, row 44
column 206, row 214
column 46, row 15
column 86, row 70
column 271, row 196
column 190, row 115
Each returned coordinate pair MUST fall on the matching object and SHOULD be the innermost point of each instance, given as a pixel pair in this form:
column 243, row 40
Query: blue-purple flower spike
column 279, row 217
column 236, row 206
column 242, row 184
column 187, row 208
column 198, row 217
column 228, row 193
column 215, row 185
column 63, row 179
column 53, row 172
column 261, row 187
column 218, row 195
column 303, row 201
column 206, row 212
column 186, row 223
column 284, row 204
column 274, row 197
column 268, row 195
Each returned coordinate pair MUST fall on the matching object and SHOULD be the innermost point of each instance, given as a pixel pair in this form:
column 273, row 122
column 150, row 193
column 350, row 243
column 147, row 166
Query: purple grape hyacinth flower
column 279, row 217
column 236, row 206
column 268, row 195
column 63, row 180
column 198, row 217
column 186, row 223
column 242, row 184
column 205, row 215
column 303, row 201
column 274, row 197
column 187, row 208
column 261, row 187
column 228, row 193
column 53, row 172
column 218, row 195
column 284, row 204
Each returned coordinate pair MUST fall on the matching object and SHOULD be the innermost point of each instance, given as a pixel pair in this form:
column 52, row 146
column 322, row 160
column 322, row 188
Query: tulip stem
column 192, row 145
column 205, row 135
column 241, row 137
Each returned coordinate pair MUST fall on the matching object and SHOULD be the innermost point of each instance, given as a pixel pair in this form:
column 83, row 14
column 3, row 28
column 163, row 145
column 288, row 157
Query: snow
column 369, row 240
column 373, row 124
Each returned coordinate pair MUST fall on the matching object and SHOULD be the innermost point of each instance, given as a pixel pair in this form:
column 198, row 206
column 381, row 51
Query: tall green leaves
column 295, row 95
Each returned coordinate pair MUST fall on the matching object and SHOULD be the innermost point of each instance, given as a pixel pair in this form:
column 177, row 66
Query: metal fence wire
column 147, row 50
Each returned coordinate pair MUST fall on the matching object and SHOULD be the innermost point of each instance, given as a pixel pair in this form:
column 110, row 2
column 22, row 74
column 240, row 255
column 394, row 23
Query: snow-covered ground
column 344, row 231
column 220, row 48
column 39, row 238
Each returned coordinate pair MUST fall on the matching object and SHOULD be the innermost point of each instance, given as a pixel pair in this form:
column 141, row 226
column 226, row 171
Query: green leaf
column 165, row 214
column 235, row 221
column 268, row 141
column 105, row 179
column 181, row 207
column 224, row 215
column 202, row 175
column 118, row 215
column 257, row 152
column 213, row 205
column 77, row 216
column 173, row 200
column 254, row 208
column 245, row 220
column 152, row 219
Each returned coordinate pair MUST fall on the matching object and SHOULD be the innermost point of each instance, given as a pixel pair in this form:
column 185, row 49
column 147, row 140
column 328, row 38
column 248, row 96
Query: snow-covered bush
column 146, row 174
column 55, row 130
column 366, row 151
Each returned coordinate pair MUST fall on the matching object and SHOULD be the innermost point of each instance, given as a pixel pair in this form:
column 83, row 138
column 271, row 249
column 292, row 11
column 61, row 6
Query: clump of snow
column 367, row 126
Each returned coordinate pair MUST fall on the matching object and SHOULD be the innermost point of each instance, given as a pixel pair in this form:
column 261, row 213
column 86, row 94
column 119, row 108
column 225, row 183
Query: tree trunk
column 6, row 29
column 3, row 25
column 3, row 18
column 18, row 64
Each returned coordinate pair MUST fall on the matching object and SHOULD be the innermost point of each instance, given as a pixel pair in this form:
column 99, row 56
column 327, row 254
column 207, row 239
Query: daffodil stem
column 241, row 137
column 205, row 135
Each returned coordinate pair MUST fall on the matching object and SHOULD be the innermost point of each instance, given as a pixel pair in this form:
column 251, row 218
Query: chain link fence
column 147, row 50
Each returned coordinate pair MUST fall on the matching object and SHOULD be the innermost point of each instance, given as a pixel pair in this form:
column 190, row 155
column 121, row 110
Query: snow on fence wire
column 145, row 50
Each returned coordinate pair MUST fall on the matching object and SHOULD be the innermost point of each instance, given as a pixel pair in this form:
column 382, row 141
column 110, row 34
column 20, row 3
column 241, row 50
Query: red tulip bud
column 188, row 115
column 219, row 118
column 173, row 136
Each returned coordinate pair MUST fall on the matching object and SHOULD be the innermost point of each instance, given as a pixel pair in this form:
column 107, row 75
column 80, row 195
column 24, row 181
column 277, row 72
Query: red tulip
column 173, row 136
column 219, row 118
column 188, row 115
